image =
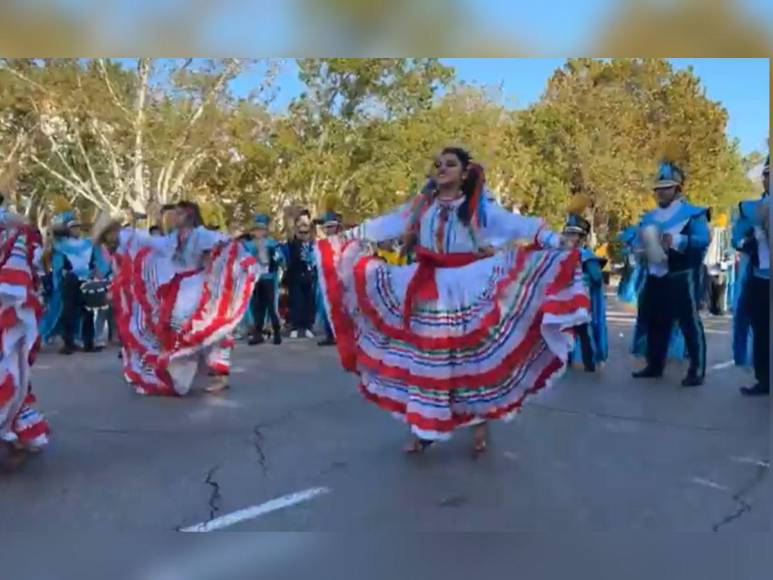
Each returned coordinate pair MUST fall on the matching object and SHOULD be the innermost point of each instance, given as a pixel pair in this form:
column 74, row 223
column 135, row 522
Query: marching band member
column 267, row 252
column 591, row 344
column 751, row 236
column 672, row 240
column 633, row 275
column 74, row 262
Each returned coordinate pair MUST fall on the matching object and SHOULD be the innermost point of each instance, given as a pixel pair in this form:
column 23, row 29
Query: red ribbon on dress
column 423, row 285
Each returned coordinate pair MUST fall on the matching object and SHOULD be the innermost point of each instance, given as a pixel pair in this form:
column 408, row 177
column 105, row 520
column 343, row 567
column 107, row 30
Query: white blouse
column 441, row 230
column 187, row 255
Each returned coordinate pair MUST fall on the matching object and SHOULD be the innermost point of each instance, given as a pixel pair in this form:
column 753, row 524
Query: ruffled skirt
column 171, row 322
column 20, row 310
column 499, row 331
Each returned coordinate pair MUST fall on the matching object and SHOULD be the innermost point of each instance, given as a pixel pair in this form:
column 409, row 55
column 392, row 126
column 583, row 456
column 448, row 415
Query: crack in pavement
column 739, row 497
column 257, row 441
column 215, row 497
column 290, row 413
column 742, row 509
column 71, row 427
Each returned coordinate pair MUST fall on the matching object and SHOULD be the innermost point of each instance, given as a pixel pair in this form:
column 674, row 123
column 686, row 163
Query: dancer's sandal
column 218, row 384
column 480, row 443
column 418, row 446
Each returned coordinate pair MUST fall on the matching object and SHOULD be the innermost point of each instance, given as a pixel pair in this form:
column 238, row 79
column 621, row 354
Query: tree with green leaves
column 359, row 138
column 328, row 142
column 603, row 125
column 114, row 135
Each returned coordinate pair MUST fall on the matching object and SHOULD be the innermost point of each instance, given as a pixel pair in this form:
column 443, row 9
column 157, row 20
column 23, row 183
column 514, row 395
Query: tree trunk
column 139, row 202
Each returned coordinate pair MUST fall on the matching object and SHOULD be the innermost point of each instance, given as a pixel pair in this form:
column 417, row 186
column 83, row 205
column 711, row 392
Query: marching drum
column 95, row 294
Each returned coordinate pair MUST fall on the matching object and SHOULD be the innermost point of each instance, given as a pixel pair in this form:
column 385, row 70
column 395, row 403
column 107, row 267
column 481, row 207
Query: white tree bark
column 8, row 157
column 119, row 182
column 173, row 177
column 140, row 199
column 95, row 186
column 70, row 156
column 74, row 187
column 106, row 79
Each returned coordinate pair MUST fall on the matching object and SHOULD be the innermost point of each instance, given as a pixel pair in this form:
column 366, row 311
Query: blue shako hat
column 669, row 175
column 329, row 218
column 576, row 224
column 261, row 220
column 65, row 219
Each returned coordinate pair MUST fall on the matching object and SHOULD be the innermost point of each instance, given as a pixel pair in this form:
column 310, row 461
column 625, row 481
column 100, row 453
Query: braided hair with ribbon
column 472, row 210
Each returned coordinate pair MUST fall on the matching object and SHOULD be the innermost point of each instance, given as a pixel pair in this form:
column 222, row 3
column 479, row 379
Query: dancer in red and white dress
column 177, row 299
column 22, row 428
column 463, row 335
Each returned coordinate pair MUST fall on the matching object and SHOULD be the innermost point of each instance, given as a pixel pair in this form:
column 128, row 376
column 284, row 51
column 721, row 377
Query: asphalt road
column 596, row 453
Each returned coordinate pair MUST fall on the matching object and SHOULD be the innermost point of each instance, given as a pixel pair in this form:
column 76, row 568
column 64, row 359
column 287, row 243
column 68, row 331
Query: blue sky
column 741, row 85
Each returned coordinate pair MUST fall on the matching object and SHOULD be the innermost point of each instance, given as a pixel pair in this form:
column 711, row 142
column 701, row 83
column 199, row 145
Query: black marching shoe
column 647, row 373
column 67, row 349
column 692, row 380
column 327, row 341
column 757, row 390
column 256, row 339
column 277, row 338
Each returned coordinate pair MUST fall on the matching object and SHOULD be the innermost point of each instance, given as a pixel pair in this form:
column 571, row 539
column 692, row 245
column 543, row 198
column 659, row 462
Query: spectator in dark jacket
column 301, row 277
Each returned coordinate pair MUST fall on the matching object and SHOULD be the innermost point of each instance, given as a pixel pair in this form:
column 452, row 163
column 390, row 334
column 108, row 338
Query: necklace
column 449, row 198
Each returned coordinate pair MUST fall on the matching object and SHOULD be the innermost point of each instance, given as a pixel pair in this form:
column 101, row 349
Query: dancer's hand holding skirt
column 494, row 332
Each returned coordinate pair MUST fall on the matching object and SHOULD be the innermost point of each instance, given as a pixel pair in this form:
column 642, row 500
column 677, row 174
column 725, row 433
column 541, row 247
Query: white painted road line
column 752, row 461
column 256, row 511
column 511, row 456
column 227, row 403
column 724, row 365
column 709, row 483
